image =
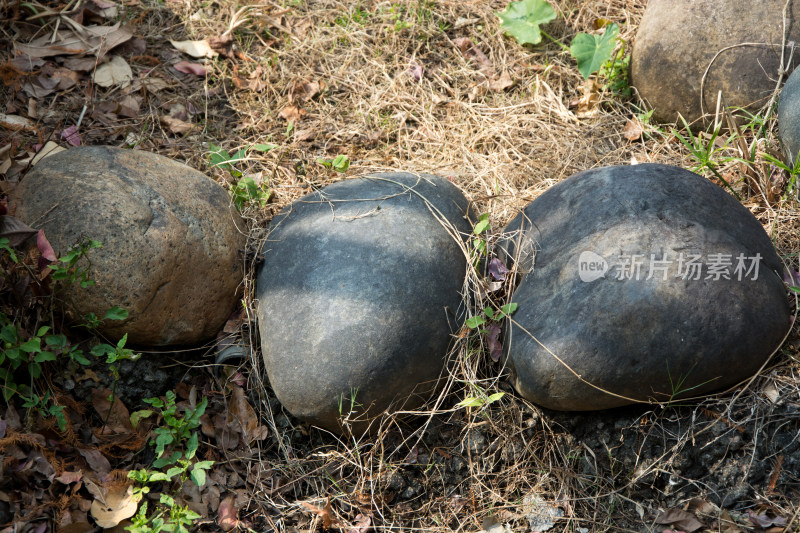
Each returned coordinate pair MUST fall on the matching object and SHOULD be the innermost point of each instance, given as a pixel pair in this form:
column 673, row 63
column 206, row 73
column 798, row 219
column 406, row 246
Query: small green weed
column 706, row 151
column 340, row 163
column 67, row 270
column 489, row 314
column 175, row 443
column 245, row 190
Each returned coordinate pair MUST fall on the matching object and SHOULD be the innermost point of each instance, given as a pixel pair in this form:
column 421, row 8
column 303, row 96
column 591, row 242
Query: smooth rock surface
column 645, row 333
column 359, row 293
column 677, row 40
column 170, row 238
column 789, row 117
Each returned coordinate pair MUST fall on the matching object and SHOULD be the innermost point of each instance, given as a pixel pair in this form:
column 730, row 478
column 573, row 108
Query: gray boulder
column 703, row 309
column 789, row 117
column 170, row 240
column 359, row 293
column 738, row 42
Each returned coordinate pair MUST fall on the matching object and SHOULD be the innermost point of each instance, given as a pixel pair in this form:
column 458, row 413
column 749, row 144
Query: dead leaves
column 115, row 72
column 114, row 506
column 633, row 129
column 494, row 81
column 196, row 49
column 94, row 40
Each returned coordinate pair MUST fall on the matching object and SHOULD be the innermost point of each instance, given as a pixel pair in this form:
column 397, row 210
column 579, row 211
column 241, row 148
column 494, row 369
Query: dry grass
column 348, row 77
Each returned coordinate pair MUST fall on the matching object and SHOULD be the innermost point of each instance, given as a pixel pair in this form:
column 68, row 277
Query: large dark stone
column 638, row 338
column 789, row 117
column 738, row 42
column 359, row 293
column 170, row 238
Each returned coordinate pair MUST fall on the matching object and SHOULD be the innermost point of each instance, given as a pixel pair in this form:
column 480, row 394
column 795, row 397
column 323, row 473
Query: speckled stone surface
column 359, row 294
column 626, row 285
column 171, row 240
column 738, row 44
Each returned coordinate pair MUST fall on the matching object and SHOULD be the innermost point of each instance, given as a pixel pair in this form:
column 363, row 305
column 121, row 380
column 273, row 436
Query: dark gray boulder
column 171, row 240
column 738, row 43
column 789, row 117
column 359, row 293
column 646, row 333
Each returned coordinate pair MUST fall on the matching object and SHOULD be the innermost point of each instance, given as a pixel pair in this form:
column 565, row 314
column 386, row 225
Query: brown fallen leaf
column 589, row 104
column 116, row 417
column 15, row 230
column 196, row 49
column 304, row 91
column 96, row 40
column 176, row 125
column 325, row 513
column 633, row 129
column 242, row 417
column 96, row 460
column 117, row 505
column 190, row 68
column 115, row 72
column 680, row 519
column 16, row 122
column 501, row 83
column 472, row 52
column 222, row 45
column 227, row 514
column 49, row 148
column 292, row 113
column 361, row 525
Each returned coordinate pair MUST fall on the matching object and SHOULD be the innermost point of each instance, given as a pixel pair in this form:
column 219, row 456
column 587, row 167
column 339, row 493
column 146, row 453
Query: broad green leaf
column 9, row 333
column 33, row 345
column 591, row 51
column 191, row 446
column 42, row 330
column 475, row 321
column 198, row 476
column 496, row 396
column 509, row 309
column 116, row 313
column 489, row 312
column 138, row 416
column 481, row 226
column 341, row 163
column 264, row 147
column 471, row 402
column 158, row 476
column 174, row 471
column 521, row 19
column 41, row 357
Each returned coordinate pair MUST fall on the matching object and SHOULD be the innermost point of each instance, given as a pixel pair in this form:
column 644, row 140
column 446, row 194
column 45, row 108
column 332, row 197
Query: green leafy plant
column 489, row 314
column 178, row 436
column 706, row 151
column 67, row 269
column 617, row 72
column 522, row 19
column 245, row 190
column 480, row 400
column 176, row 430
column 478, row 241
column 340, row 163
column 593, row 51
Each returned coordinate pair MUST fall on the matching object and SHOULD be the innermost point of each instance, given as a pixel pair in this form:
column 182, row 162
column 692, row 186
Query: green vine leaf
column 521, row 19
column 592, row 51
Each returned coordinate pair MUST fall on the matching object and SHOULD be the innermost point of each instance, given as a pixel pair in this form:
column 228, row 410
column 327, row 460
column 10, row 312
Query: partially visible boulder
column 359, row 294
column 738, row 42
column 646, row 283
column 789, row 117
column 170, row 240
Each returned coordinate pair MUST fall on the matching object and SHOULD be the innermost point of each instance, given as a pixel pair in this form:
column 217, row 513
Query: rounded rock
column 789, row 117
column 170, row 240
column 593, row 330
column 359, row 294
column 724, row 45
